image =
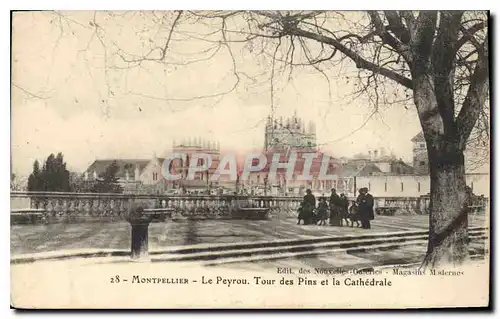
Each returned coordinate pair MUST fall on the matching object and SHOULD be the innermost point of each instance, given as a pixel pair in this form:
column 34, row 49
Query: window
column 402, row 187
column 422, row 144
column 385, row 186
column 418, row 186
column 369, row 186
column 155, row 176
column 472, row 186
column 421, row 163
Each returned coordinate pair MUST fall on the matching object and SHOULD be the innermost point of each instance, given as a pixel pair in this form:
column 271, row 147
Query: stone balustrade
column 93, row 206
column 88, row 206
column 404, row 205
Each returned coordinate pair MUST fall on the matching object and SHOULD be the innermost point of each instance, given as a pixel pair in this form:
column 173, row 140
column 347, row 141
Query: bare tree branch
column 387, row 38
column 360, row 62
column 468, row 34
column 475, row 98
column 397, row 27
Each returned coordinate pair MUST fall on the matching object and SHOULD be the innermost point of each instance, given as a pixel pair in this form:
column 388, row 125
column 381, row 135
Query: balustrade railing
column 78, row 206
column 75, row 206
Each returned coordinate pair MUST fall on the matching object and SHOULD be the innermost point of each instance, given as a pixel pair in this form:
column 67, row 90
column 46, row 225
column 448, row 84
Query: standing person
column 301, row 215
column 309, row 204
column 344, row 209
column 369, row 206
column 322, row 211
column 335, row 205
column 360, row 202
column 366, row 208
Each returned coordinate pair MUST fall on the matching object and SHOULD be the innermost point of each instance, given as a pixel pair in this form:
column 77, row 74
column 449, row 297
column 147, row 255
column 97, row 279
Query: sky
column 71, row 93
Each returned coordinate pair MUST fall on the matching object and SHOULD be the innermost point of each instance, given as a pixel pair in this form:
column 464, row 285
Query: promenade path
column 27, row 239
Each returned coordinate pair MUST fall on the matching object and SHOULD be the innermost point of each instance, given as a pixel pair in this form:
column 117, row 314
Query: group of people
column 337, row 209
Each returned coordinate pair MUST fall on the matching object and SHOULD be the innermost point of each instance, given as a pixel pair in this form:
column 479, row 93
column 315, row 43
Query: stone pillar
column 139, row 223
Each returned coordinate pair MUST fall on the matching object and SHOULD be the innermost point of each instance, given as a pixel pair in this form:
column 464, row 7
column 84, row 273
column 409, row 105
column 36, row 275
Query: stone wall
column 78, row 207
column 83, row 207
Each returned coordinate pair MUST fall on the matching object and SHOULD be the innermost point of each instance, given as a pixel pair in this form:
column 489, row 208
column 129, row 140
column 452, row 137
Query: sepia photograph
column 246, row 159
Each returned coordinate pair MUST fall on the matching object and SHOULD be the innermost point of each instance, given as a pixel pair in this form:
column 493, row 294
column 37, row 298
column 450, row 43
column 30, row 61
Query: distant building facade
column 180, row 166
column 282, row 133
column 420, row 158
column 287, row 136
column 283, row 184
column 129, row 170
column 376, row 162
column 147, row 175
column 416, row 185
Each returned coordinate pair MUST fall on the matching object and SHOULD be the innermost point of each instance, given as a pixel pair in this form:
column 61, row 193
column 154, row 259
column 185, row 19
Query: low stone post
column 139, row 222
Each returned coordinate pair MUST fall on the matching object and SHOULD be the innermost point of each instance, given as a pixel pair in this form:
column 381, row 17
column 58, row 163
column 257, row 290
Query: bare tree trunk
column 448, row 237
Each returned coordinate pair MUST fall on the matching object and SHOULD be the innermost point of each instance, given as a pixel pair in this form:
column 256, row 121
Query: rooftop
column 124, row 165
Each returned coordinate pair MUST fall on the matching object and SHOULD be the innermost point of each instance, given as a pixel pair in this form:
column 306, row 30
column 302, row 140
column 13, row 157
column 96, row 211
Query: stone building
column 190, row 147
column 476, row 162
column 285, row 136
column 282, row 185
column 129, row 170
column 147, row 175
column 416, row 185
column 377, row 162
column 282, row 133
column 420, row 158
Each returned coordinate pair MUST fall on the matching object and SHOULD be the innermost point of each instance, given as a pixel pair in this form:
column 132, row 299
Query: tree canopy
column 53, row 177
column 108, row 181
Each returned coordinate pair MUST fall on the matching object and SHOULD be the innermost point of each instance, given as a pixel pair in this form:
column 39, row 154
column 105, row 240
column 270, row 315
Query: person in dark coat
column 309, row 204
column 344, row 209
column 365, row 202
column 335, row 206
column 322, row 211
column 359, row 201
column 353, row 214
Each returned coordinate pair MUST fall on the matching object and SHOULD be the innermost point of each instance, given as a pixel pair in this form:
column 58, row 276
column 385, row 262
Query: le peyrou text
column 285, row 277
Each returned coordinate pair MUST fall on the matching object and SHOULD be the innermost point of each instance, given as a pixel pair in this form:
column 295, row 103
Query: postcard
column 250, row 159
